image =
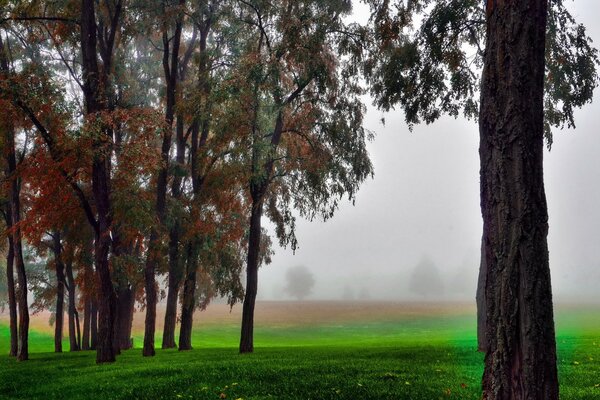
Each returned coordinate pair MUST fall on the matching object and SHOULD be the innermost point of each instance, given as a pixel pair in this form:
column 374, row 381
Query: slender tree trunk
column 10, row 282
column 151, row 297
column 74, row 343
column 60, row 293
column 95, row 88
column 175, row 265
column 247, row 334
column 168, row 340
column 23, row 308
column 93, row 324
column 520, row 362
column 87, row 308
column 15, row 206
column 8, row 135
column 170, row 66
column 88, row 293
column 188, row 303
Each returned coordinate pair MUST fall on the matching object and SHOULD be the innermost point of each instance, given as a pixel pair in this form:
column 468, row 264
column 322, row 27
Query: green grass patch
column 418, row 357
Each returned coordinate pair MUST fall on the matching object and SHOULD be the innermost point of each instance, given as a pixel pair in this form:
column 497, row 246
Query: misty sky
column 424, row 203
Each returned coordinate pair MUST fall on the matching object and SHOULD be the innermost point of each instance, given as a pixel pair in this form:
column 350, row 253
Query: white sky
column 424, row 202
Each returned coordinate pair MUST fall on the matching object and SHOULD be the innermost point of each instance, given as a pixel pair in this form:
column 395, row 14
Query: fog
column 423, row 204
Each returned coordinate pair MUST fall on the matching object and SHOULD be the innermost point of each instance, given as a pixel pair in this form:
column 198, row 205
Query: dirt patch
column 291, row 313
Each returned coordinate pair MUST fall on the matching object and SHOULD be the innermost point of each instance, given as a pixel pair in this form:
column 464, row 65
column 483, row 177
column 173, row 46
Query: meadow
column 310, row 350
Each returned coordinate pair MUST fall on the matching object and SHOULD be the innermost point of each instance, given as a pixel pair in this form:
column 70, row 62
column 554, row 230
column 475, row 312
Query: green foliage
column 428, row 58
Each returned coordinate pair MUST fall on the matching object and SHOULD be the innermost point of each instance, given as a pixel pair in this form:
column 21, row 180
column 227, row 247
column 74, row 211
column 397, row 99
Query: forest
column 155, row 152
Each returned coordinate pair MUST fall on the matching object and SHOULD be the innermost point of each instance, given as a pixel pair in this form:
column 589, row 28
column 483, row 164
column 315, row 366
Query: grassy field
column 313, row 350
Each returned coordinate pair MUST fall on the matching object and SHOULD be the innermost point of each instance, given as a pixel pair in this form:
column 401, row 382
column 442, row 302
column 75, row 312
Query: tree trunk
column 95, row 89
column 15, row 206
column 126, row 308
column 188, row 303
column 175, row 265
column 10, row 282
column 520, row 362
column 60, row 294
column 170, row 66
column 23, row 351
column 87, row 309
column 89, row 289
column 93, row 324
column 151, row 297
column 74, row 339
column 480, row 299
column 168, row 340
column 10, row 159
column 107, row 302
column 247, row 334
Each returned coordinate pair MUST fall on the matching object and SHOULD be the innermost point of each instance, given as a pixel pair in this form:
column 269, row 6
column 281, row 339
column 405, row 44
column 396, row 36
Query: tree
column 426, row 280
column 300, row 282
column 538, row 65
column 302, row 115
column 519, row 325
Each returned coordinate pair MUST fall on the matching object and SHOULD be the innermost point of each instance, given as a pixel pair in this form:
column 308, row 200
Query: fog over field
column 423, row 204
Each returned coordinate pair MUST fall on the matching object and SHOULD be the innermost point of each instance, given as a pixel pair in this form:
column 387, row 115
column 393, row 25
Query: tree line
column 145, row 140
column 148, row 139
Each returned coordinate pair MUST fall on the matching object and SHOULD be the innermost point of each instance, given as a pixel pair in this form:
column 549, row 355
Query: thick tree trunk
column 10, row 282
column 74, row 338
column 520, row 361
column 247, row 334
column 60, row 294
column 126, row 308
column 188, row 303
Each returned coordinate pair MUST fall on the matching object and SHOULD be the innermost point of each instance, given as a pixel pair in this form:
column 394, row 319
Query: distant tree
column 426, row 280
column 348, row 294
column 300, row 282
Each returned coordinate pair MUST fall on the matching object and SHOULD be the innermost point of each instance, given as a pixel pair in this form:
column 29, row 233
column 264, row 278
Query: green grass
column 419, row 357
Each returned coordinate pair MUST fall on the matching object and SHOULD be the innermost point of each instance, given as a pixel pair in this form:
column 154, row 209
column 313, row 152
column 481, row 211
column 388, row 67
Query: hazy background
column 422, row 207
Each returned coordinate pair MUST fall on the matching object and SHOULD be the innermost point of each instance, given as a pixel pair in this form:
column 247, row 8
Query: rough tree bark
column 520, row 361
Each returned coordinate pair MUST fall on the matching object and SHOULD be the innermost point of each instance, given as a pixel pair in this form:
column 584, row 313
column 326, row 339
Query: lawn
column 304, row 351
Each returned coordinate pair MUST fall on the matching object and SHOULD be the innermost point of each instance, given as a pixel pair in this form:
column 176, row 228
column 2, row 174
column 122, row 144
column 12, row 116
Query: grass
column 422, row 355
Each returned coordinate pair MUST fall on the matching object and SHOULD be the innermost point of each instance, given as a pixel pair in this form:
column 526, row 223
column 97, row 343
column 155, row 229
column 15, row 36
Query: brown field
column 291, row 313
